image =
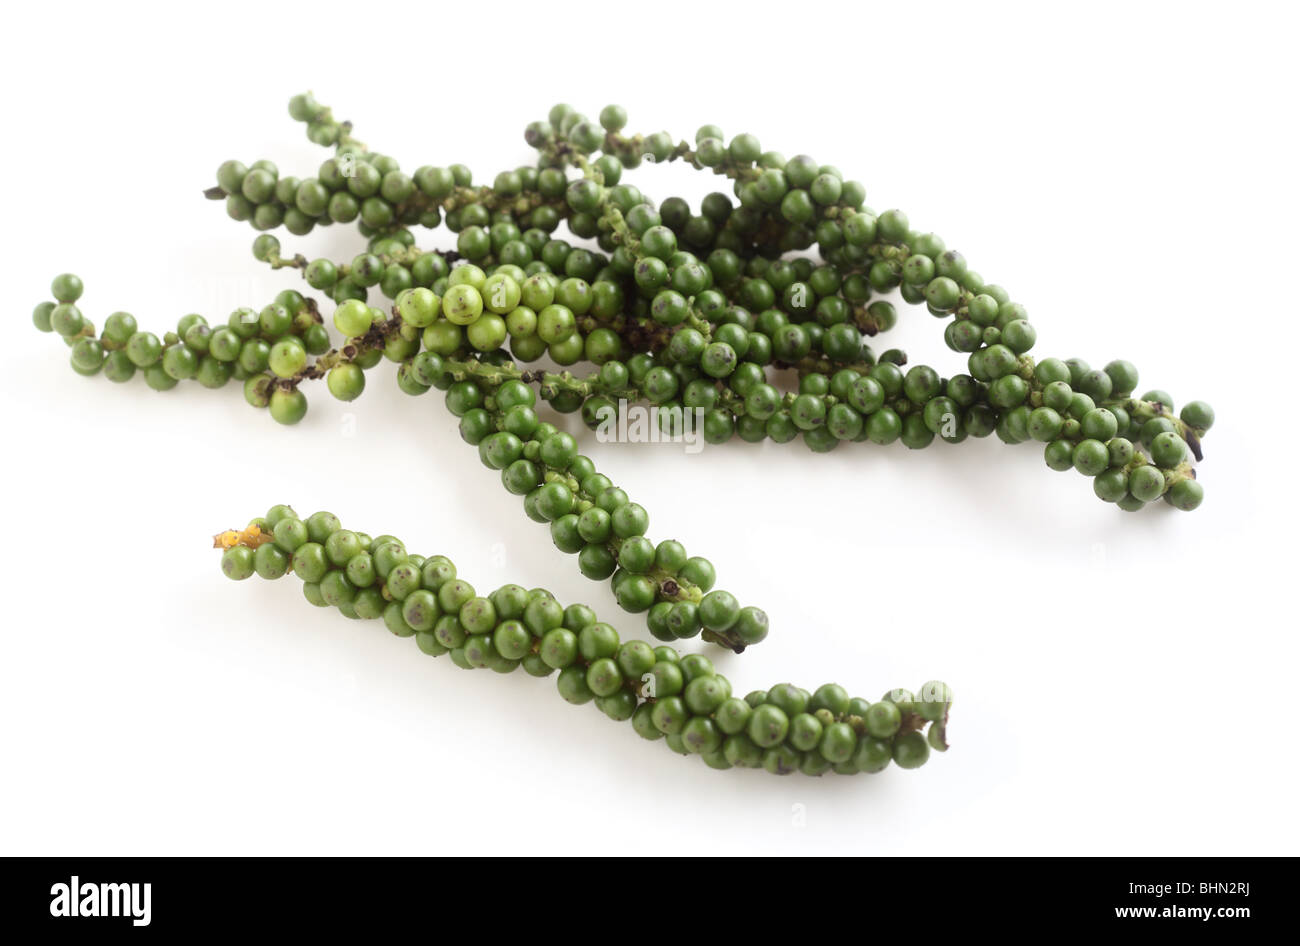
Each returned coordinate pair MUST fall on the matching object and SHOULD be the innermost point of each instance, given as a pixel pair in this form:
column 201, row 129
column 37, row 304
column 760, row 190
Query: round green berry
column 288, row 407
column 353, row 318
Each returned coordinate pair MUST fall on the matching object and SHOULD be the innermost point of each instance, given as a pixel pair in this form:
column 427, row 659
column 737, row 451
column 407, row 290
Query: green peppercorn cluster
column 708, row 312
column 257, row 348
column 687, row 310
column 665, row 695
column 681, row 310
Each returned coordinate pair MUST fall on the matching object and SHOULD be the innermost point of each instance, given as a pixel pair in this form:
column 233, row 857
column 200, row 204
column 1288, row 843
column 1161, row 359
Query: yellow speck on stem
column 252, row 537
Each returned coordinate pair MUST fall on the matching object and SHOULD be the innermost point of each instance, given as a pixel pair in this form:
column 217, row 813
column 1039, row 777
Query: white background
column 1123, row 683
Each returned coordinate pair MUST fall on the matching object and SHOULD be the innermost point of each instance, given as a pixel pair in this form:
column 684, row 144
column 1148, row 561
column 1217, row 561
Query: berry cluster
column 692, row 311
column 665, row 695
column 723, row 313
column 255, row 347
